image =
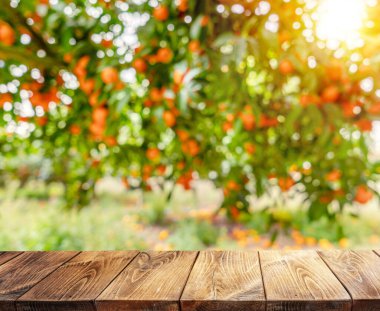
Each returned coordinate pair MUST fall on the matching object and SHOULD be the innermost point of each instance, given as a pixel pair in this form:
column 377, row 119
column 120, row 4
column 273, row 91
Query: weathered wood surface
column 225, row 280
column 22, row 272
column 76, row 284
column 301, row 281
column 153, row 281
column 359, row 271
column 177, row 280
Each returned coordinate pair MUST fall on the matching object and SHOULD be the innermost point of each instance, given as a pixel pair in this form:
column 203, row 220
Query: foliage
column 246, row 96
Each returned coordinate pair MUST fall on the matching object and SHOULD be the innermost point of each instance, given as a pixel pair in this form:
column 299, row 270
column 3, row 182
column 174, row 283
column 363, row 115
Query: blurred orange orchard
column 245, row 99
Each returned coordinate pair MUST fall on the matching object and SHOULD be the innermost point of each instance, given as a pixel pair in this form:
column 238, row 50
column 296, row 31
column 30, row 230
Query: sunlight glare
column 341, row 21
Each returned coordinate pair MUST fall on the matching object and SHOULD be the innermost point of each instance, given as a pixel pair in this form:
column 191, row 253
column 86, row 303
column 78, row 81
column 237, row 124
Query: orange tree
column 239, row 92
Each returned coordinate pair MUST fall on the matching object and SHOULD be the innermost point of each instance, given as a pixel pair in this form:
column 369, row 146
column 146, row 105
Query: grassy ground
column 32, row 219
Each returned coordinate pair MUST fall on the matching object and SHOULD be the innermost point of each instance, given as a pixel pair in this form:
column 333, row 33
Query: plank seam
column 187, row 279
column 262, row 280
column 121, row 271
column 344, row 286
column 62, row 264
column 10, row 258
column 377, row 253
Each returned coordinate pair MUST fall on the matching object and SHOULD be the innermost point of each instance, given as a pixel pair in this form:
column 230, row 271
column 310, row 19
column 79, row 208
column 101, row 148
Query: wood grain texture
column 359, row 272
column 224, row 280
column 76, row 284
column 6, row 256
column 152, row 281
column 21, row 273
column 300, row 280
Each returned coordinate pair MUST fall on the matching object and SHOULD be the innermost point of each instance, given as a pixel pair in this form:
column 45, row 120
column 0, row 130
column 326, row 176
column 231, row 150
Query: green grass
column 34, row 219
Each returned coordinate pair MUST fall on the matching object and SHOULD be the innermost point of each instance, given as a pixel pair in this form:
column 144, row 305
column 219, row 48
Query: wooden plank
column 152, row 281
column 21, row 273
column 6, row 256
column 300, row 280
column 225, row 280
column 377, row 251
column 359, row 272
column 76, row 284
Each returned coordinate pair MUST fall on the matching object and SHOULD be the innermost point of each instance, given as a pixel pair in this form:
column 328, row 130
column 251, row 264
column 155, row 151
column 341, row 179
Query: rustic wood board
column 6, row 256
column 359, row 272
column 21, row 273
column 76, row 284
column 152, row 281
column 300, row 280
column 224, row 280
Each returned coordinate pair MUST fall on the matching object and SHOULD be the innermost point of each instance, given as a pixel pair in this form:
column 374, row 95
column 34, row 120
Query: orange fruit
column 364, row 125
column 87, row 86
column 330, row 94
column 164, row 55
column 157, row 94
column 140, row 65
column 109, row 75
column 169, row 118
column 250, row 148
column 374, row 109
column 194, row 46
column 182, row 5
column 75, row 129
column 205, row 20
column 285, row 183
column 152, row 153
column 7, row 34
column 99, row 115
column 5, row 98
column 286, row 67
column 363, row 194
column 248, row 120
column 334, row 175
column 161, row 13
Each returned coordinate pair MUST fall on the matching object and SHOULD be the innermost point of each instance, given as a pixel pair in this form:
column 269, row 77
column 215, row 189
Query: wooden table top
column 178, row 280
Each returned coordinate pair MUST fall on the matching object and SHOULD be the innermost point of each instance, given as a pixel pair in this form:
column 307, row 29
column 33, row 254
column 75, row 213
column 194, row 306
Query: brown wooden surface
column 224, row 280
column 22, row 272
column 76, row 284
column 300, row 280
column 209, row 280
column 6, row 256
column 359, row 272
column 152, row 281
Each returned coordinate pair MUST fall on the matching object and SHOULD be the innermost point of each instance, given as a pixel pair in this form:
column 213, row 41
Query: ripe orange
column 140, row 65
column 5, row 98
column 250, row 148
column 205, row 20
column 152, row 153
column 169, row 118
column 182, row 5
column 164, row 55
column 286, row 67
column 248, row 120
column 285, row 183
column 333, row 175
column 75, row 129
column 157, row 94
column 363, row 194
column 7, row 34
column 330, row 94
column 109, row 75
column 364, row 125
column 190, row 147
column 99, row 115
column 87, row 86
column 161, row 13
column 194, row 46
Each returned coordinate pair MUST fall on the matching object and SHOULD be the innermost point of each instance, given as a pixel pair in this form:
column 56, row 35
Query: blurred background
column 189, row 124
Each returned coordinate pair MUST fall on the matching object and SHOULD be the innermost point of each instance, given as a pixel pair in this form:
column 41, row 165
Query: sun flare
column 341, row 21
